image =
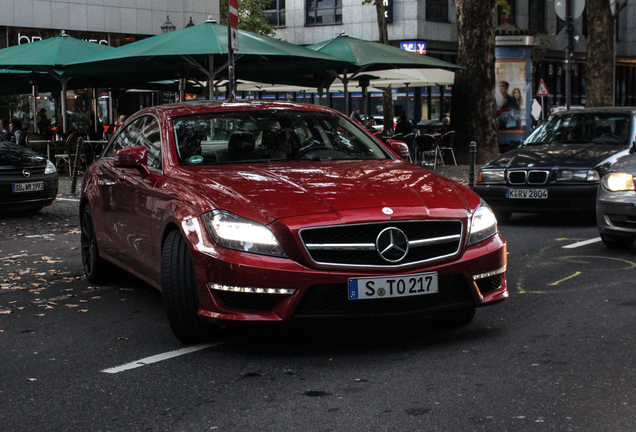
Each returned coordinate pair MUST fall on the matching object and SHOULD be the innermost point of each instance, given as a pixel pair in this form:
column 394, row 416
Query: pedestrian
column 15, row 127
column 370, row 124
column 4, row 131
column 403, row 126
column 355, row 116
column 44, row 124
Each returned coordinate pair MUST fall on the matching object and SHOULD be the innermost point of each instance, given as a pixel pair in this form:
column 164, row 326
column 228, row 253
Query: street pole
column 568, row 53
column 232, row 45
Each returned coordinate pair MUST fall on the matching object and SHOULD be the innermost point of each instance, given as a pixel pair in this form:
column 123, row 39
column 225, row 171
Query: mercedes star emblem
column 387, row 210
column 392, row 244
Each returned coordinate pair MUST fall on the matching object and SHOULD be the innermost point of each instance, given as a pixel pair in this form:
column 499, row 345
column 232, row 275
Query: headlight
column 50, row 168
column 578, row 175
column 484, row 224
column 491, row 176
column 618, row 181
column 234, row 232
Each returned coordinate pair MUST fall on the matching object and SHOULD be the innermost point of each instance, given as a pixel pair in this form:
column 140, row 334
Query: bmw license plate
column 527, row 193
column 27, row 187
column 392, row 286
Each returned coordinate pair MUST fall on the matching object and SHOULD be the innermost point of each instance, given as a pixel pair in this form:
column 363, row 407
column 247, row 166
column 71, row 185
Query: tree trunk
column 599, row 68
column 387, row 94
column 473, row 103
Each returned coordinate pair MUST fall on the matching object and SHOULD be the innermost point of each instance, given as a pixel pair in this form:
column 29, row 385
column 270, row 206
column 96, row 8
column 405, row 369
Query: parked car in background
column 273, row 211
column 616, row 205
column 560, row 165
column 28, row 181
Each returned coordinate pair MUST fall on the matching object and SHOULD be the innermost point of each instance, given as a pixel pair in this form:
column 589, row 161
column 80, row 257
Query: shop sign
column 418, row 47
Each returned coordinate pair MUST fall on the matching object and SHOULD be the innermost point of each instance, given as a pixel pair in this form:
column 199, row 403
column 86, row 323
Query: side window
column 150, row 137
column 127, row 138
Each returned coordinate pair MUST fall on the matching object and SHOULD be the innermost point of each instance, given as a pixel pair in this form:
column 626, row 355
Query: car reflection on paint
column 560, row 165
column 28, row 181
column 275, row 211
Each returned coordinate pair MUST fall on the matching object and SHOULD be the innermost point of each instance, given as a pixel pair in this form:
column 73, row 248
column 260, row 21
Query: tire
column 179, row 288
column 96, row 269
column 617, row 242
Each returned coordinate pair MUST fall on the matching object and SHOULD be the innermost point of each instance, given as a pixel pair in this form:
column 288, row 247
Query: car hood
column 552, row 155
column 16, row 156
column 266, row 192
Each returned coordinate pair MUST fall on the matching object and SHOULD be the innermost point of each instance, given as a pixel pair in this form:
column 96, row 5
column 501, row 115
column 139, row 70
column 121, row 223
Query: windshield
column 583, row 128
column 262, row 136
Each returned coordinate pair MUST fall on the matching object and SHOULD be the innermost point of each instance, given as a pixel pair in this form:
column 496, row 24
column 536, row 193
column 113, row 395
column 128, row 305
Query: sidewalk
column 457, row 173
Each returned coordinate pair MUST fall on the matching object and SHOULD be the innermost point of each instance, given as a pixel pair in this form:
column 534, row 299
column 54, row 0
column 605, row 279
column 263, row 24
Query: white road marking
column 582, row 243
column 11, row 257
column 39, row 235
column 68, row 199
column 159, row 357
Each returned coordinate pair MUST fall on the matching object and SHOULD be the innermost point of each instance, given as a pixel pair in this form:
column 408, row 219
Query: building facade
column 434, row 23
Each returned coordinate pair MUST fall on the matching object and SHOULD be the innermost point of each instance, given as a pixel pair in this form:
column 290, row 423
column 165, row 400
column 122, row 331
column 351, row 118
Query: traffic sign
column 233, row 20
column 577, row 7
column 543, row 89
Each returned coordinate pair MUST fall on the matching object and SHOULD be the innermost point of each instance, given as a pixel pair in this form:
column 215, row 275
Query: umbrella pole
column 182, row 86
column 345, row 80
column 34, row 89
column 63, row 106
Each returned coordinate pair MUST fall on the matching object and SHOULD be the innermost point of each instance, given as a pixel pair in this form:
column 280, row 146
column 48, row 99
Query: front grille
column 355, row 245
column 517, row 177
column 5, row 172
column 331, row 300
column 248, row 301
column 489, row 284
column 538, row 177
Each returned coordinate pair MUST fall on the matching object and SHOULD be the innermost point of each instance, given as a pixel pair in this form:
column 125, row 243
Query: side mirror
column 400, row 148
column 133, row 157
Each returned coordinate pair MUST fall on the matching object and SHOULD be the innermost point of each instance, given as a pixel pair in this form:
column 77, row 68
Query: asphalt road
column 557, row 356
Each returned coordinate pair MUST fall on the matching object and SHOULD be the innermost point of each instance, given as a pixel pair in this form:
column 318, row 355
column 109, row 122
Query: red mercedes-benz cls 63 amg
column 278, row 211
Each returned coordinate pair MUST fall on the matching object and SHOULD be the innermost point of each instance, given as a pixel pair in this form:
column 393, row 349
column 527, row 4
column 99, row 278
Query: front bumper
column 616, row 212
column 561, row 198
column 324, row 293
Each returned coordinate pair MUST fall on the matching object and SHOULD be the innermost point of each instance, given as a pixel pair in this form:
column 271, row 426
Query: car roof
column 205, row 106
column 631, row 110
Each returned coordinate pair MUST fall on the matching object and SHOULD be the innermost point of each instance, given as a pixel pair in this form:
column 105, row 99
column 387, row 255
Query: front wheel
column 617, row 242
column 179, row 288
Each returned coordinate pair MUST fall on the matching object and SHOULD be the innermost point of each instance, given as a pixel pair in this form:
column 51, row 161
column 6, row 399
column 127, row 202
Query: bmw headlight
column 491, row 176
column 618, row 181
column 234, row 232
column 483, row 225
column 578, row 175
column 50, row 168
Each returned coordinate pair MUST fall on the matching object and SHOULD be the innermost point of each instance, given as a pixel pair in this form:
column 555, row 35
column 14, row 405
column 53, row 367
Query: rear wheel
column 180, row 296
column 617, row 242
column 96, row 269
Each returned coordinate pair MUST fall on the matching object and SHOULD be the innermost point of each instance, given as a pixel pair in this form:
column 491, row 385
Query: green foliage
column 10, row 103
column 505, row 6
column 251, row 16
column 80, row 120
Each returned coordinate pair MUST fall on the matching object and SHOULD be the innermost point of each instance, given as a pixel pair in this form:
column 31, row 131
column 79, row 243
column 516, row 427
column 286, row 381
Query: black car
column 560, row 165
column 28, row 181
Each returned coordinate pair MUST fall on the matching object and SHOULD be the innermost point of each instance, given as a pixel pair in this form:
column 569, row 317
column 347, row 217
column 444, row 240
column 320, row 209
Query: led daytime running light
column 490, row 273
column 252, row 290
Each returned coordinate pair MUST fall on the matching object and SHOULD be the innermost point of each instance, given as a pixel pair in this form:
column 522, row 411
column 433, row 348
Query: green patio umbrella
column 201, row 51
column 368, row 56
column 50, row 56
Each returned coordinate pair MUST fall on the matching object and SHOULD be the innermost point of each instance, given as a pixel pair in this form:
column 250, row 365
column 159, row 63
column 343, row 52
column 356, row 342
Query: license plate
column 392, row 286
column 527, row 193
column 28, row 187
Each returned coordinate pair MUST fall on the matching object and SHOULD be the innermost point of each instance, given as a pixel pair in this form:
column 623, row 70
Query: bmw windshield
column 263, row 136
column 583, row 128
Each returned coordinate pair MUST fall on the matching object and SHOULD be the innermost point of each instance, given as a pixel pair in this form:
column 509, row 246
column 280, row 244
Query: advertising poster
column 510, row 93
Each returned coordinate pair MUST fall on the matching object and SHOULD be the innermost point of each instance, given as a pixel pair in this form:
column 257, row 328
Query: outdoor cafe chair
column 446, row 144
column 427, row 146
